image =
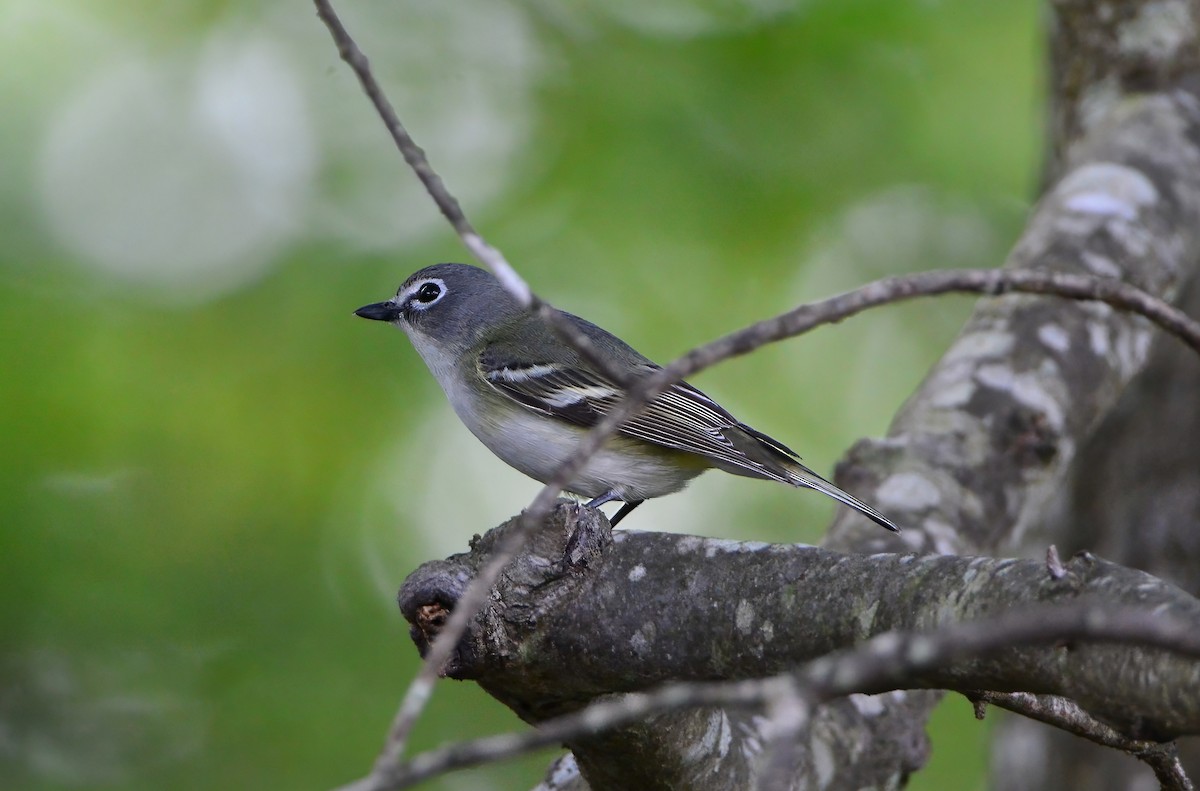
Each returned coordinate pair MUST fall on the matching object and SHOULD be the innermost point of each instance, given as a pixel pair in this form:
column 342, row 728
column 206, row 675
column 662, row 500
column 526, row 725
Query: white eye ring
column 412, row 299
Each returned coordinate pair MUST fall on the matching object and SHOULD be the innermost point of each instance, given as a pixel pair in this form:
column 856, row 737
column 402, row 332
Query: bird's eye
column 427, row 293
column 422, row 296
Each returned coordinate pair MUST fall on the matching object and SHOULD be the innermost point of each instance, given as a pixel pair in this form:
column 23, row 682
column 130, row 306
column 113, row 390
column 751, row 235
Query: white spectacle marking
column 521, row 374
column 406, row 296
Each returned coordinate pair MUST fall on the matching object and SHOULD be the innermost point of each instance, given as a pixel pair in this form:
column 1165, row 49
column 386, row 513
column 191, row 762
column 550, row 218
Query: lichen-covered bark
column 1104, row 52
column 989, row 434
column 1134, row 497
column 1135, row 493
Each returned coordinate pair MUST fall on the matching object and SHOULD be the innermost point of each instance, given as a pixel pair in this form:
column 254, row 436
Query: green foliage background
column 214, row 477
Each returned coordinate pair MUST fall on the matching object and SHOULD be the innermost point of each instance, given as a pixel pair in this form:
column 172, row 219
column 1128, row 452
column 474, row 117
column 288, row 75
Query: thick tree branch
column 970, row 455
column 564, row 625
column 794, row 603
column 883, row 662
column 990, row 435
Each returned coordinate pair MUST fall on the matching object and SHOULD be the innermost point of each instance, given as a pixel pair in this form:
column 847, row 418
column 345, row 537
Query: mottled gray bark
column 1135, row 493
column 584, row 612
column 972, row 464
column 1134, row 497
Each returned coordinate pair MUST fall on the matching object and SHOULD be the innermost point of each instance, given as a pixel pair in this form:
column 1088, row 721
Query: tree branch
column 1083, row 603
column 1069, row 717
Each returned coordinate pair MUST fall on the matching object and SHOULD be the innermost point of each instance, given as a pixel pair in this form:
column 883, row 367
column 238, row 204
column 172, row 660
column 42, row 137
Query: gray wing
column 681, row 418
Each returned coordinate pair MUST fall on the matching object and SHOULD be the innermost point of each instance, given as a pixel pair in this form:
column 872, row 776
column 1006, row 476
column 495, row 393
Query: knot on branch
column 548, row 561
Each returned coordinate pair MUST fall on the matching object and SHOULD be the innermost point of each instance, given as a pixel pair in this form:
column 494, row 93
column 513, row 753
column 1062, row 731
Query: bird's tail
column 799, row 475
column 770, row 458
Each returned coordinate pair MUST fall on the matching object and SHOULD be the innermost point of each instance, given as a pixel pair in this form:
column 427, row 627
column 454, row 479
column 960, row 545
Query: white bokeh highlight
column 188, row 173
column 185, row 174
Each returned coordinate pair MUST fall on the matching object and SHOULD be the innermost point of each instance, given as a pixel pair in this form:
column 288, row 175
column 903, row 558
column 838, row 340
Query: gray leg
column 607, row 497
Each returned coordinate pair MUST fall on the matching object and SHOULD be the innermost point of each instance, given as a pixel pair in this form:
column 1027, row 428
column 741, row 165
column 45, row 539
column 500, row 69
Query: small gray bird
column 529, row 397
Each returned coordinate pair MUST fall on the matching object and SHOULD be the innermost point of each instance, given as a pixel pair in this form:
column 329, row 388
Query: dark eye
column 428, row 293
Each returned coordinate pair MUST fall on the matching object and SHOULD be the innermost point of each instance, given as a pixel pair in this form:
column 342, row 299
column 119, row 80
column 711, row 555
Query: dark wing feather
column 682, row 418
column 551, row 389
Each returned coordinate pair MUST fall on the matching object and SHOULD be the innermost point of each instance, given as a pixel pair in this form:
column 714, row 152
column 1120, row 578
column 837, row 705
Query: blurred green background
column 215, row 477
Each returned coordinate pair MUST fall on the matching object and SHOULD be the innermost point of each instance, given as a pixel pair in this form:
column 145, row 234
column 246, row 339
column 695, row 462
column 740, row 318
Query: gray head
column 452, row 303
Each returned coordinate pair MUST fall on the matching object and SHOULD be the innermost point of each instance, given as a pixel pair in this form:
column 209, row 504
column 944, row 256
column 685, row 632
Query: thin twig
column 888, row 661
column 415, row 157
column 1066, row 714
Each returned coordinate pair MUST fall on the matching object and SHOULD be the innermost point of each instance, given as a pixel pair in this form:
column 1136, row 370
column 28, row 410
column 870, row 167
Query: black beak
column 379, row 311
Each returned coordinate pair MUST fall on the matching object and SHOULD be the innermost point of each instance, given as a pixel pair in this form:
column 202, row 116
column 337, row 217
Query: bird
column 529, row 397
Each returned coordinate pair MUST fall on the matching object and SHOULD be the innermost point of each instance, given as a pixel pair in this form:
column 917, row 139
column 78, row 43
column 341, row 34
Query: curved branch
column 1067, row 716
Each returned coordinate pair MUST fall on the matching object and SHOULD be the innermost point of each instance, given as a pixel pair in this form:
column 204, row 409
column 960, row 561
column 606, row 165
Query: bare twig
column 1065, row 714
column 888, row 661
column 415, row 157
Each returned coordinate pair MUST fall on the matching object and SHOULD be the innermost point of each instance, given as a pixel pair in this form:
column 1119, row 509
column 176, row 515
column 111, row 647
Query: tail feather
column 759, row 456
column 800, row 475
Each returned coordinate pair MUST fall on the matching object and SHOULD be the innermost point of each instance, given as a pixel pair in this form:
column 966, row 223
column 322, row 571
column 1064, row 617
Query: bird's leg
column 608, row 497
column 625, row 509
